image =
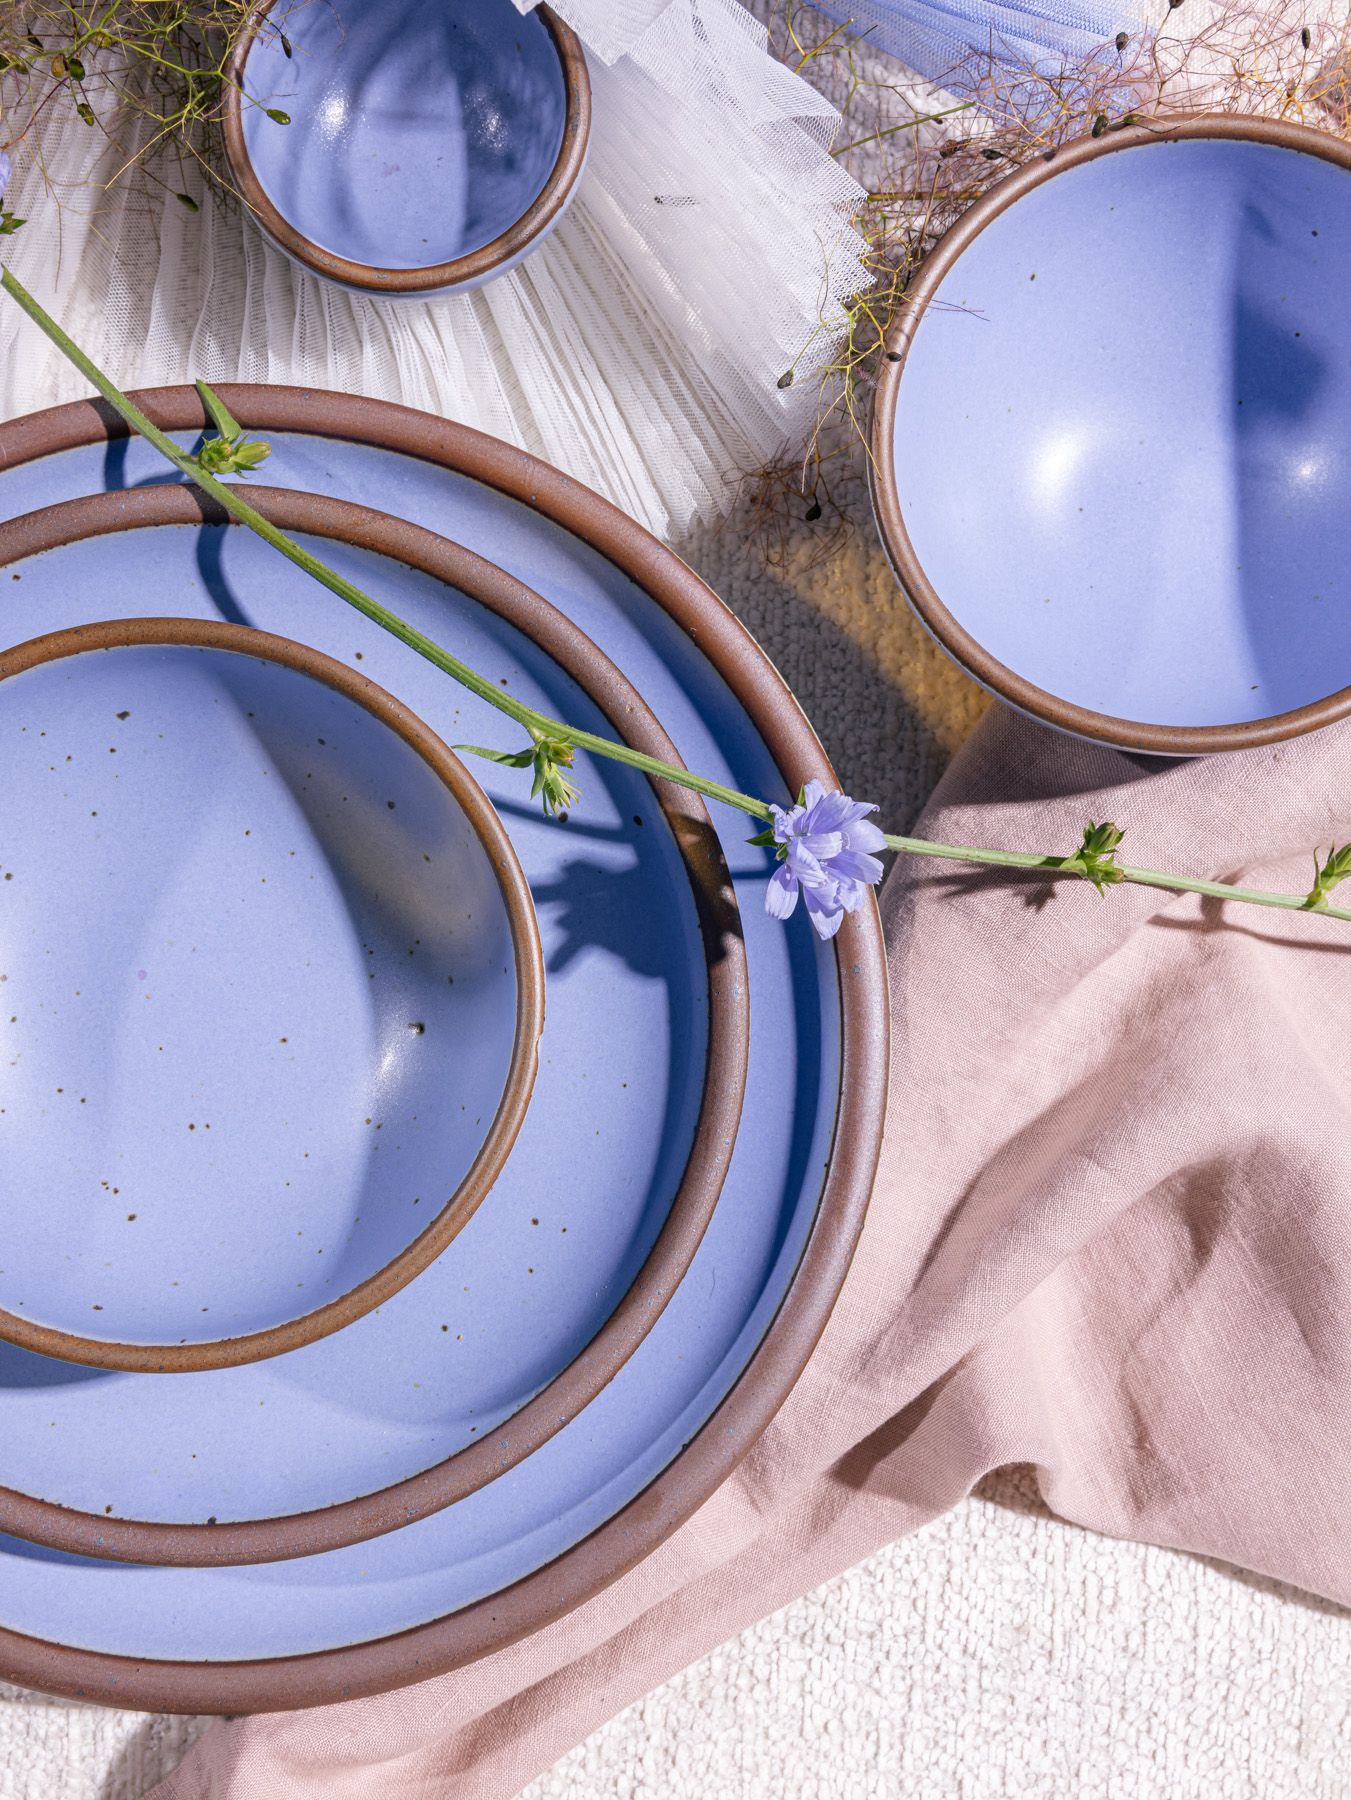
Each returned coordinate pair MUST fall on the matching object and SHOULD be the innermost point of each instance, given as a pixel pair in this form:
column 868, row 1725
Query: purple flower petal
column 853, row 865
column 802, row 865
column 826, row 916
column 6, row 170
column 781, row 894
column 835, row 811
column 821, row 845
column 864, row 835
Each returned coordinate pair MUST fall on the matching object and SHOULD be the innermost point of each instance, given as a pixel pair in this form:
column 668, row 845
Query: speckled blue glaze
column 259, row 989
column 714, row 1322
column 420, row 131
column 449, row 1358
column 1123, row 433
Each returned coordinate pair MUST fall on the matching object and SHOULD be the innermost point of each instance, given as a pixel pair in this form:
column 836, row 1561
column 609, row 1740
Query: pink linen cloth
column 1109, row 1238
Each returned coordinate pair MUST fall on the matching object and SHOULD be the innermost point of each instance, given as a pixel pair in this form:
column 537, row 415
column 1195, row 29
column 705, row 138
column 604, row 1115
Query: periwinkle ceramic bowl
column 1112, row 444
column 431, row 144
column 272, row 992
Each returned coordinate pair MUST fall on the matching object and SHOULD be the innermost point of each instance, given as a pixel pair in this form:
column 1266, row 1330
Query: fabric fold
column 1109, row 1239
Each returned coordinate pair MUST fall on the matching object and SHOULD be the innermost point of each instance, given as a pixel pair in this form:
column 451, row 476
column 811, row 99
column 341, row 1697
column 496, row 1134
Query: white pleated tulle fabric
column 640, row 348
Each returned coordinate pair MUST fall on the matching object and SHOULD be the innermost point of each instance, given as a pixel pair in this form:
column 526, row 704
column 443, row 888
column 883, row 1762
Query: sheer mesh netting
column 640, row 348
column 943, row 39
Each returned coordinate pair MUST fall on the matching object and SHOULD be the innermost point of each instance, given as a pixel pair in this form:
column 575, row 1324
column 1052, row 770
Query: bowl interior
column 1123, row 433
column 420, row 130
column 259, row 994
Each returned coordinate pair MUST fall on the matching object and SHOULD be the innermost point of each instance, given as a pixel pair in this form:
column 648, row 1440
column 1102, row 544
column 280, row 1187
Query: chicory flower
column 825, row 848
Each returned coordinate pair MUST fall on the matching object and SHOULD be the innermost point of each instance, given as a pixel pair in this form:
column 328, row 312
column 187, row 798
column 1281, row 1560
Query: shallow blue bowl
column 406, row 147
column 1112, row 441
column 272, row 995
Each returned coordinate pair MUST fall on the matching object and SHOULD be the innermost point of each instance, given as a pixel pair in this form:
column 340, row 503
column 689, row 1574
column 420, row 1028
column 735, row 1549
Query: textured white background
column 996, row 1654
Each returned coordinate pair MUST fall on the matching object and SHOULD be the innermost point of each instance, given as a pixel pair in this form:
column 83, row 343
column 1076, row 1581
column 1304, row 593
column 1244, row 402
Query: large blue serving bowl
column 1112, row 439
column 406, row 147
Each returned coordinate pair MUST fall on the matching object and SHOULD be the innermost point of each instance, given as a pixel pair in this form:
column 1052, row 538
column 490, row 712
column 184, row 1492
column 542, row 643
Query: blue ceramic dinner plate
column 621, row 1475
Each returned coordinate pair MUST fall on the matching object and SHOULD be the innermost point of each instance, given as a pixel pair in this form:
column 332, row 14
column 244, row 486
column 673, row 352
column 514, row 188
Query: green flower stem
column 229, row 498
column 540, row 725
column 1155, row 878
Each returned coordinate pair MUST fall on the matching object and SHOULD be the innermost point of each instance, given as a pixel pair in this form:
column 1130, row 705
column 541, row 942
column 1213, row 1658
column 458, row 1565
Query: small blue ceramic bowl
column 272, row 995
column 1112, row 439
column 431, row 144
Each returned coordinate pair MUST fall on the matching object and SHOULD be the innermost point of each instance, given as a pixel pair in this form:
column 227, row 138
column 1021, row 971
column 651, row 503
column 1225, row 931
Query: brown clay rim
column 1126, row 734
column 275, row 1340
column 634, row 1532
column 696, row 1196
column 476, row 265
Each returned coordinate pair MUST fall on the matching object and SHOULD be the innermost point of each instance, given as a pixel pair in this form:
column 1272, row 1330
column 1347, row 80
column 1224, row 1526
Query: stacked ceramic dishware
column 414, row 1204
column 346, row 1313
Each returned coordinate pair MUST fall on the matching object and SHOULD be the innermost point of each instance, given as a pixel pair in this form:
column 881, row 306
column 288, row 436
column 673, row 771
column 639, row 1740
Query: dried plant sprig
column 152, row 75
column 551, row 743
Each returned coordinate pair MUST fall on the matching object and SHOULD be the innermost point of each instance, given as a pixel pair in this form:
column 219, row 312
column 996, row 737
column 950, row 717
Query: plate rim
column 312, row 1531
column 638, row 1528
column 941, row 623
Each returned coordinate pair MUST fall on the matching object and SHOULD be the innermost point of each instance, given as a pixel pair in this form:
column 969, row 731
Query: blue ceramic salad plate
column 259, row 924
column 1135, row 355
column 407, row 147
column 496, row 1314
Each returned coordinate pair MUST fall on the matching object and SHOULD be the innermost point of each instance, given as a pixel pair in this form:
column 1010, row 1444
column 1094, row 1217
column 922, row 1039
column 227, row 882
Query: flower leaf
column 551, row 786
column 1095, row 859
column 513, row 759
column 549, row 757
column 1335, row 869
column 217, row 411
column 230, row 453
